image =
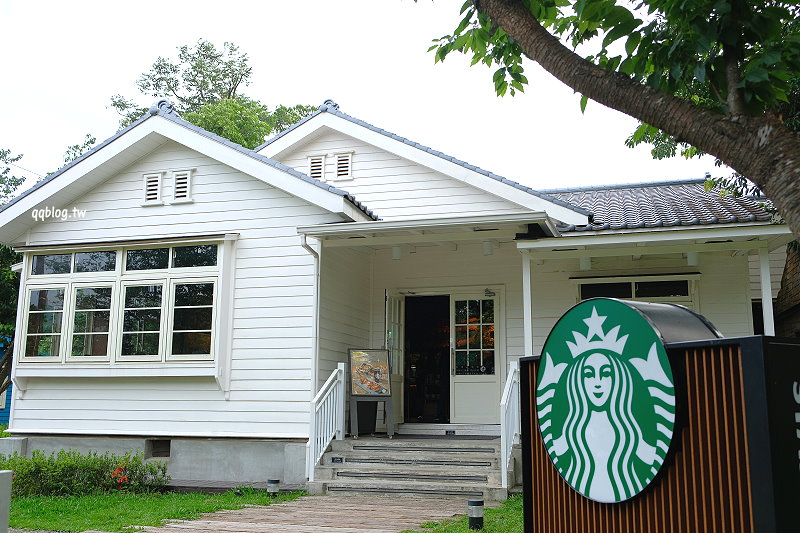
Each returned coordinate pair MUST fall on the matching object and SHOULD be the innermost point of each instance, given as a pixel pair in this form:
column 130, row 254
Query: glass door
column 474, row 361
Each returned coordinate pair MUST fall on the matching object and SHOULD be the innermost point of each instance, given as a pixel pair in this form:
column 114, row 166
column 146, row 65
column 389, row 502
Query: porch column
column 766, row 292
column 527, row 303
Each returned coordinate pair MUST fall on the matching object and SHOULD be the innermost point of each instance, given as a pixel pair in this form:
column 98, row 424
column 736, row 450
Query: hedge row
column 68, row 472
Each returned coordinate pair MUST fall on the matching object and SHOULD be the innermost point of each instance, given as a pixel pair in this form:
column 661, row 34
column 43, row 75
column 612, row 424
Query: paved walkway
column 325, row 514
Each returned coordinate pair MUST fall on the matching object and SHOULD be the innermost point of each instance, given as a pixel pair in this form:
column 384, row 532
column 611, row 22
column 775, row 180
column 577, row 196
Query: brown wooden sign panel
column 705, row 483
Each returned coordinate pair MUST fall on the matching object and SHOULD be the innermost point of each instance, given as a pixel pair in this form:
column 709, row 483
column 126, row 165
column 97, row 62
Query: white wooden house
column 188, row 297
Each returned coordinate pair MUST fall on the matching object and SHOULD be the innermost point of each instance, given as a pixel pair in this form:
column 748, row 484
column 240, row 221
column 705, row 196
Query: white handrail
column 327, row 418
column 509, row 420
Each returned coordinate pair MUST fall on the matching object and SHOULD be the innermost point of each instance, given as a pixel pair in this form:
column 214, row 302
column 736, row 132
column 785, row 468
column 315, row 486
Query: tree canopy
column 716, row 75
column 204, row 84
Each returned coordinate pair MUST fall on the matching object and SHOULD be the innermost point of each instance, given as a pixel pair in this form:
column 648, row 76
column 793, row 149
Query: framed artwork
column 369, row 372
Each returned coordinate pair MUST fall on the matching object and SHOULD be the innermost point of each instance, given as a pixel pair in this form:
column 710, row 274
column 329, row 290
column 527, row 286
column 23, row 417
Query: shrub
column 68, row 472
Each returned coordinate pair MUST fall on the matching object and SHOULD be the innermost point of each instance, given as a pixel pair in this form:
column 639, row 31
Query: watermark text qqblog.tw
column 43, row 213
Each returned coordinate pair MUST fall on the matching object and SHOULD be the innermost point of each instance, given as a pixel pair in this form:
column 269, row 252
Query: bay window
column 135, row 304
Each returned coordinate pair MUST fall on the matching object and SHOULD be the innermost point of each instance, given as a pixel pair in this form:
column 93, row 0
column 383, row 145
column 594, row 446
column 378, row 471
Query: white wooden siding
column 344, row 307
column 777, row 260
column 394, row 187
column 271, row 357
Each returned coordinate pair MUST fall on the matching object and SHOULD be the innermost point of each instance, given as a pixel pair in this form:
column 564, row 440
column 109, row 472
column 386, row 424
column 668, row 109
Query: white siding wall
column 345, row 307
column 394, row 187
column 777, row 260
column 723, row 290
column 271, row 358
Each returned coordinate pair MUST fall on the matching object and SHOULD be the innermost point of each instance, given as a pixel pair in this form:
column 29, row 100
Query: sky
column 62, row 61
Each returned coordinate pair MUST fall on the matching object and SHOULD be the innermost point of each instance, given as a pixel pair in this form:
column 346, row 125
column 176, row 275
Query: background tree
column 9, row 280
column 650, row 58
column 204, row 84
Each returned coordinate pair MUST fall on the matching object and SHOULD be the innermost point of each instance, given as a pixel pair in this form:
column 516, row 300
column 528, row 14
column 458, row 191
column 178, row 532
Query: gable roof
column 289, row 179
column 654, row 205
column 509, row 189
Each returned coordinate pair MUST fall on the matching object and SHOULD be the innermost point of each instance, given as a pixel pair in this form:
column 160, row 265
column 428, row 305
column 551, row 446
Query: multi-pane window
column 474, row 329
column 45, row 319
column 130, row 305
column 141, row 320
column 192, row 319
column 91, row 322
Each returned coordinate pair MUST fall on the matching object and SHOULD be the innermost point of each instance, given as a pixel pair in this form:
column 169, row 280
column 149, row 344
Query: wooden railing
column 509, row 420
column 327, row 418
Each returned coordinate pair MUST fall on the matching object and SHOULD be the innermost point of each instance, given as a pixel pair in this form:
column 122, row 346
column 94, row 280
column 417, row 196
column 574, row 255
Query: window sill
column 102, row 370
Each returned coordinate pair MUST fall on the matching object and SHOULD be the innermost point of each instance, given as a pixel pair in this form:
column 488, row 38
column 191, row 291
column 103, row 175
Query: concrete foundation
column 221, row 460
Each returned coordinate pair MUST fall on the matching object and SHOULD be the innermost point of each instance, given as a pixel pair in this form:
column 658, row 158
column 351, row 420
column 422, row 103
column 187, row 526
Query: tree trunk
column 758, row 147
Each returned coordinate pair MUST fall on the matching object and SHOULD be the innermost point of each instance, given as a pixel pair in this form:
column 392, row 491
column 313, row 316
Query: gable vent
column 152, row 188
column 344, row 166
column 316, row 167
column 183, row 185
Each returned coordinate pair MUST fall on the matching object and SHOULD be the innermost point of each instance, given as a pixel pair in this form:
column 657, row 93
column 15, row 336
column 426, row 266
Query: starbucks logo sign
column 605, row 399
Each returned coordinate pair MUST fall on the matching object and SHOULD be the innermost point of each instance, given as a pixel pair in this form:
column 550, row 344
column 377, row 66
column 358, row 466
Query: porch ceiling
column 386, row 233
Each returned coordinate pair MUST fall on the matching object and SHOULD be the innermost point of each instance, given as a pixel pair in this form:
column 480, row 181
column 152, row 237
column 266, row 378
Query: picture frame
column 370, row 372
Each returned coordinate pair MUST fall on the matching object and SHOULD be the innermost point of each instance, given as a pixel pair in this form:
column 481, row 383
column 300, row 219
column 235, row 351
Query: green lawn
column 504, row 519
column 113, row 512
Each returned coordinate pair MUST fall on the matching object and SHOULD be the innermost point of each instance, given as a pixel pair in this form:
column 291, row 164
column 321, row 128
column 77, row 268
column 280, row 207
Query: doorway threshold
column 445, row 430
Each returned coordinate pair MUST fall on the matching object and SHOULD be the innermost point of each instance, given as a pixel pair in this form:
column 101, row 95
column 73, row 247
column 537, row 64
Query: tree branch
column 760, row 147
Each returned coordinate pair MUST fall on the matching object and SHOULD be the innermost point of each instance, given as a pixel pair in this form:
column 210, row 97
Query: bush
column 68, row 472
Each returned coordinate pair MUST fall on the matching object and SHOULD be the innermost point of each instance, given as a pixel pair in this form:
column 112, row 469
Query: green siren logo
column 605, row 400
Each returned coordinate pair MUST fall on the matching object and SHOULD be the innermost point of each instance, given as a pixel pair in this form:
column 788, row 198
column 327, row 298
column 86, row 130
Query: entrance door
column 427, row 359
column 475, row 385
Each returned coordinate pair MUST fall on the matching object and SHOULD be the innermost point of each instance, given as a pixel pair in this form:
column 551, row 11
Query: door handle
column 452, row 361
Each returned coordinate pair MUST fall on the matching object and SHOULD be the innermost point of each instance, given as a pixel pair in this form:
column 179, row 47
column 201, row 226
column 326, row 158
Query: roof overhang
column 325, row 121
column 79, row 179
column 738, row 239
column 421, row 232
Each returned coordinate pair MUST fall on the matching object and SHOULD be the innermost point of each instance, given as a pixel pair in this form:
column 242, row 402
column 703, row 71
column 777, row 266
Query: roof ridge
column 329, row 106
column 615, row 186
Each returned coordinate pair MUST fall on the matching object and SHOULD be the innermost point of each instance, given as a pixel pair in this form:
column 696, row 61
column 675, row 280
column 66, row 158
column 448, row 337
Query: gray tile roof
column 165, row 110
column 653, row 205
column 331, row 107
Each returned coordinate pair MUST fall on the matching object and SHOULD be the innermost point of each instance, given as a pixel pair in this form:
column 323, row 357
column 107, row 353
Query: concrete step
column 368, row 459
column 416, row 445
column 448, row 429
column 404, row 487
column 440, row 475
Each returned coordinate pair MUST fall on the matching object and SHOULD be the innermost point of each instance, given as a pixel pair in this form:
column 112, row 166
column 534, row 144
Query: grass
column 3, row 428
column 504, row 519
column 116, row 512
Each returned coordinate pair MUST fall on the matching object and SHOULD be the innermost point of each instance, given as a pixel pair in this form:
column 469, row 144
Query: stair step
column 402, row 487
column 414, row 462
column 431, row 492
column 413, row 476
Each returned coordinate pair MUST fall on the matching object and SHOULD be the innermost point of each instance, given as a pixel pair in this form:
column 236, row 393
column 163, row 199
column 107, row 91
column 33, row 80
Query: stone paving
column 325, row 514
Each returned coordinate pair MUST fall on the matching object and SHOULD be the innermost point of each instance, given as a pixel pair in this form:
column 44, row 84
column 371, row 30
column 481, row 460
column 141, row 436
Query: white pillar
column 766, row 293
column 527, row 302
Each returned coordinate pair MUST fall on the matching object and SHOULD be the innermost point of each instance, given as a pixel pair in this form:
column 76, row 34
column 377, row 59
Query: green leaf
column 584, row 101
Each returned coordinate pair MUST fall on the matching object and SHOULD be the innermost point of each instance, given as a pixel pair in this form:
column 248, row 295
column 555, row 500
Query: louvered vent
column 344, row 164
column 152, row 188
column 316, row 166
column 183, row 185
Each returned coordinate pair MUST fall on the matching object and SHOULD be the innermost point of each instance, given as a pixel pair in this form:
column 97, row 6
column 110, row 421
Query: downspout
column 315, row 316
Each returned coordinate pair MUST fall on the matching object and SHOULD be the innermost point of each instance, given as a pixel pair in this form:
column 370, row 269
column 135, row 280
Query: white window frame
column 23, row 334
column 70, row 323
column 118, row 279
column 159, row 177
column 691, row 301
column 176, row 175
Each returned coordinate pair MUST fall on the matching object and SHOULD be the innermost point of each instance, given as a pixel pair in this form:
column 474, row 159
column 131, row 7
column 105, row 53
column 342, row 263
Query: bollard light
column 475, row 513
column 273, row 486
